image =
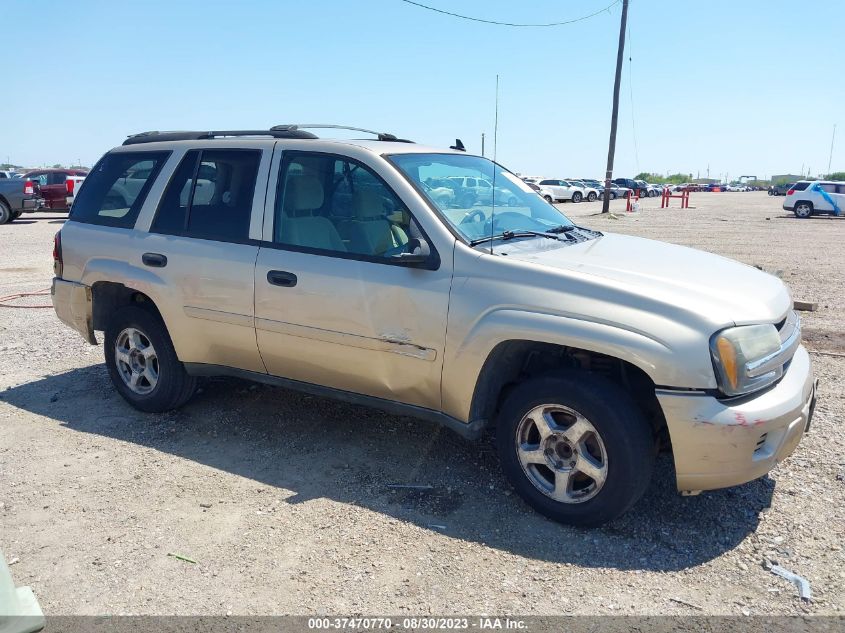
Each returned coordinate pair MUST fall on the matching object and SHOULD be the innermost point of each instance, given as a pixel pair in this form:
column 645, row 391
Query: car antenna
column 495, row 144
column 458, row 145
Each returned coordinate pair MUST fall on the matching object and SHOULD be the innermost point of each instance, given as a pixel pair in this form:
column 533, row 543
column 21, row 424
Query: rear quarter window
column 116, row 188
column 800, row 186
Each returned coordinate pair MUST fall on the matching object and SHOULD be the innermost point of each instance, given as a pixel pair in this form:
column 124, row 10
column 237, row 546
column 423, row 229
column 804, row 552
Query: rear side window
column 800, row 186
column 116, row 188
column 828, row 187
column 210, row 196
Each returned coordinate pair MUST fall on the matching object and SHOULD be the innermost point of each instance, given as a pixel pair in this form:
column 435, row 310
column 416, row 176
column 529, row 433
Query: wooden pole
column 611, row 151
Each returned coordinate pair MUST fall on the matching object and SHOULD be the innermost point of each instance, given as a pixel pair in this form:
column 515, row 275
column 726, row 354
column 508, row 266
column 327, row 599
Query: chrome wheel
column 803, row 210
column 561, row 453
column 136, row 361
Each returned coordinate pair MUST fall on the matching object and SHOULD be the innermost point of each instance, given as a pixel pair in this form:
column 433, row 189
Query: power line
column 631, row 93
column 474, row 19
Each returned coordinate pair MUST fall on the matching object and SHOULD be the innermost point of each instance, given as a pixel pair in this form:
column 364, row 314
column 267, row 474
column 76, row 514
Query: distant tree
column 673, row 179
column 837, row 175
column 58, row 166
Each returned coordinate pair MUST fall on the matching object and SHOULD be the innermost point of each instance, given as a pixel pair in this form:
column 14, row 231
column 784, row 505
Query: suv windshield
column 478, row 197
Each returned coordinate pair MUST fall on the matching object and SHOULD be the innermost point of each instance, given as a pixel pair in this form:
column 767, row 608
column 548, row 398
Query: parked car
column 615, row 192
column 18, row 196
column 52, row 183
column 807, row 198
column 561, row 191
column 9, row 174
column 329, row 268
column 781, row 189
column 638, row 187
column 590, row 192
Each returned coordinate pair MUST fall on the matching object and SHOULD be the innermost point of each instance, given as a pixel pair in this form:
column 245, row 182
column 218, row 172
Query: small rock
column 742, row 566
column 13, row 561
column 746, row 611
column 205, row 505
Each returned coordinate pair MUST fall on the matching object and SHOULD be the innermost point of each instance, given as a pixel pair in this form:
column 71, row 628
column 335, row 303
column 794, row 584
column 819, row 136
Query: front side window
column 334, row 204
column 210, row 195
column 112, row 196
column 511, row 206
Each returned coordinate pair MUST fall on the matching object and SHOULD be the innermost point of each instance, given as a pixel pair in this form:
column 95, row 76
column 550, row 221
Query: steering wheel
column 470, row 217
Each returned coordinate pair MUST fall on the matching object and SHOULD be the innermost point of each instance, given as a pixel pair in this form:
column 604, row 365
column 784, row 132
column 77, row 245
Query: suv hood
column 718, row 289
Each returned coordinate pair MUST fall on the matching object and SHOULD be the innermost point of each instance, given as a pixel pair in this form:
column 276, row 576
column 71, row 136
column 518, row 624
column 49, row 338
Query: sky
column 740, row 87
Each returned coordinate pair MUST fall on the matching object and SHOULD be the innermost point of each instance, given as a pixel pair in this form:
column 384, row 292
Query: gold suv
column 360, row 269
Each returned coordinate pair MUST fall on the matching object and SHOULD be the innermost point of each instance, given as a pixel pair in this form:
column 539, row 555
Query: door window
column 334, row 205
column 210, row 195
column 111, row 195
column 56, row 178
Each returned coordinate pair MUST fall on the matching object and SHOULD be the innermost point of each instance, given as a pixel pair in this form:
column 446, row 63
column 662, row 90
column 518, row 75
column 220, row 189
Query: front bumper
column 718, row 443
column 73, row 305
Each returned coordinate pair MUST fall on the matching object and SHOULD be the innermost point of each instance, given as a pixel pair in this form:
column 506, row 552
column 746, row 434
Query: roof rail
column 153, row 137
column 294, row 127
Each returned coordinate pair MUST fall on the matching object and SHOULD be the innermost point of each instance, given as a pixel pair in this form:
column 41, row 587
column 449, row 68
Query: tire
column 613, row 195
column 5, row 213
column 16, row 215
column 576, row 197
column 803, row 210
column 770, row 192
column 467, row 200
column 548, row 199
column 591, row 197
column 513, row 202
column 616, row 439
column 601, row 196
column 136, row 331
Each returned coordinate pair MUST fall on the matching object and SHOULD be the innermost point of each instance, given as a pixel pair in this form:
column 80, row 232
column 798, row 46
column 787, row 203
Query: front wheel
column 803, row 210
column 575, row 447
column 142, row 362
column 5, row 213
column 591, row 197
column 548, row 199
column 576, row 197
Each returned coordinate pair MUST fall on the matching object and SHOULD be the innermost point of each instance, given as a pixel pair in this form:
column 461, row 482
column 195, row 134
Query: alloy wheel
column 561, row 453
column 136, row 361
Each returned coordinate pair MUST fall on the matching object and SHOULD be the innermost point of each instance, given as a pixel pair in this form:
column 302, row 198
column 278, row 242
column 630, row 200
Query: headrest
column 367, row 204
column 302, row 193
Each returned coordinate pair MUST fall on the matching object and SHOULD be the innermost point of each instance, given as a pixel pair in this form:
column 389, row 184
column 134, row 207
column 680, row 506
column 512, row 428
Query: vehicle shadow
column 317, row 448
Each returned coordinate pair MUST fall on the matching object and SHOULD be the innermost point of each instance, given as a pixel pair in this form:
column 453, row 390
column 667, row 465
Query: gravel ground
column 281, row 499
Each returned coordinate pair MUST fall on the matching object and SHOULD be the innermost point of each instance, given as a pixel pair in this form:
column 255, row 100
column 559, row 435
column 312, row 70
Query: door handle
column 154, row 260
column 281, row 278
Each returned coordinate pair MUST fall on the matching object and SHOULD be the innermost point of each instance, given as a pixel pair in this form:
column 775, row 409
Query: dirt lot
column 282, row 498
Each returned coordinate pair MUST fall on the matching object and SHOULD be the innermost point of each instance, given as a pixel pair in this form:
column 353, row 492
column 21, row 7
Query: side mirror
column 419, row 252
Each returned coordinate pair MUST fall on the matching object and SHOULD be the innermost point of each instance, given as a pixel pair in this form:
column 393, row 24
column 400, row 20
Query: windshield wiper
column 563, row 228
column 509, row 235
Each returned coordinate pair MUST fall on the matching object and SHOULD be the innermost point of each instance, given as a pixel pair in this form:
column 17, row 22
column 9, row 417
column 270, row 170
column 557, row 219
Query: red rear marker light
column 69, row 184
column 57, row 255
column 28, row 188
column 790, row 192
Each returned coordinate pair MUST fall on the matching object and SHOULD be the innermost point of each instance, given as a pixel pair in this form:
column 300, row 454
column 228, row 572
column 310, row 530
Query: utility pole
column 611, row 150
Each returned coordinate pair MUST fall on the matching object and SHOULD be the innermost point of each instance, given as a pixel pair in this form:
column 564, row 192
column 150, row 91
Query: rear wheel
column 576, row 197
column 803, row 210
column 575, row 447
column 5, row 213
column 142, row 362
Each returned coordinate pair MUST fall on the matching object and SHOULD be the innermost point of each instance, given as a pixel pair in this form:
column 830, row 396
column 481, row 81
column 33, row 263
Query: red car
column 52, row 185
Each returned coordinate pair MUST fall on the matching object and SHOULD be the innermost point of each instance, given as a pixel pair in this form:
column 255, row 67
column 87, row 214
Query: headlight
column 740, row 356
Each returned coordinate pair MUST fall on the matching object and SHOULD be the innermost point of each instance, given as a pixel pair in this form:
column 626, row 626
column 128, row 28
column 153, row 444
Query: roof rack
column 296, row 127
column 153, row 137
